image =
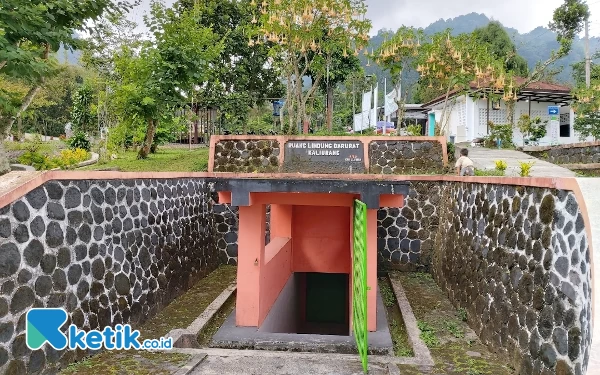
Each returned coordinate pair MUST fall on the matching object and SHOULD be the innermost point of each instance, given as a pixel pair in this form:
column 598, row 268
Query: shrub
column 502, row 133
column 501, row 165
column 69, row 158
column 451, row 151
column 79, row 140
column 37, row 160
column 414, row 130
column 525, row 168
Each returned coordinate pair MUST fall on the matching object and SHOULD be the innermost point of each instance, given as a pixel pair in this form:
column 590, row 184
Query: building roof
column 534, row 91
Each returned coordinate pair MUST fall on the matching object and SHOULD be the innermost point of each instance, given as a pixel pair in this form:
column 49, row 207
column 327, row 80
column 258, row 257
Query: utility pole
column 588, row 60
column 385, row 117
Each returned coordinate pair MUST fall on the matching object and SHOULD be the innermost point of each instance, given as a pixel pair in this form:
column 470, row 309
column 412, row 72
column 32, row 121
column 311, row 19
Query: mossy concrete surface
column 180, row 313
column 455, row 348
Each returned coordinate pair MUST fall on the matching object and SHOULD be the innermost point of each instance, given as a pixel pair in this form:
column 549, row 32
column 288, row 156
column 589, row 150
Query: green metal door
column 359, row 281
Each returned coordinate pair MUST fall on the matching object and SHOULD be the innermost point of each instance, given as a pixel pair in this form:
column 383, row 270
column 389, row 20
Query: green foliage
column 451, row 151
column 489, row 173
column 503, row 133
column 462, row 314
column 79, row 140
column 414, row 130
column 454, row 329
column 502, row 47
column 532, row 129
column 525, row 168
column 242, row 67
column 428, row 334
column 70, row 158
column 37, row 160
column 568, row 21
column 82, row 117
column 501, row 165
column 588, row 125
column 389, row 298
column 163, row 74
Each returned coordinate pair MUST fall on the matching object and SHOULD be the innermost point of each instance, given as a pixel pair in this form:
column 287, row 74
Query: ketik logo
column 43, row 325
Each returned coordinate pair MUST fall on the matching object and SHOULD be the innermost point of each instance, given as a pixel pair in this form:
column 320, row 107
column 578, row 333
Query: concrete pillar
column 251, row 251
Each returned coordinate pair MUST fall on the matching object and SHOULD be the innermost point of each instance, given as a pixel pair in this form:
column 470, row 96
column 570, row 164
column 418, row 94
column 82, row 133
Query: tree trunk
column 4, row 165
column 329, row 107
column 26, row 103
column 445, row 108
column 20, row 127
column 28, row 98
column 145, row 149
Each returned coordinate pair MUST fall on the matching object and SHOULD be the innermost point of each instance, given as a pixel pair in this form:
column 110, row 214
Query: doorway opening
column 326, row 304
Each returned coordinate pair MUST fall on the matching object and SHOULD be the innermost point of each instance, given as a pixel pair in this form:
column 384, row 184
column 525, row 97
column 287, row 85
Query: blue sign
column 553, row 110
column 277, row 105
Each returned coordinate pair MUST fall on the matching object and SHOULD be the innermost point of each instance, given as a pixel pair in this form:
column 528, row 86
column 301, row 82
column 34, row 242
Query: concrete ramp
column 590, row 188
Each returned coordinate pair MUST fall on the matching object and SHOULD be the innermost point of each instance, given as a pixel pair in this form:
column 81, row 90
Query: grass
column 216, row 322
column 165, row 160
column 178, row 314
column 489, row 173
column 428, row 334
column 402, row 347
column 444, row 331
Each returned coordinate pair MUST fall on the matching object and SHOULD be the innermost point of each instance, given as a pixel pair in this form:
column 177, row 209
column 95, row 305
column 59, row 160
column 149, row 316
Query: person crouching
column 464, row 165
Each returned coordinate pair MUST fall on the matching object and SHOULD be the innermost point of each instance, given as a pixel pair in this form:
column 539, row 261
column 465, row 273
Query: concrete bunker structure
column 308, row 260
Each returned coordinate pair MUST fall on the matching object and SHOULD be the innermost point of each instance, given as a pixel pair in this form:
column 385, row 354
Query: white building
column 470, row 116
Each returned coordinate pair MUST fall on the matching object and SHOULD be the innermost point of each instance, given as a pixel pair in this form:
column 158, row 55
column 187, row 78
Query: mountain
column 535, row 46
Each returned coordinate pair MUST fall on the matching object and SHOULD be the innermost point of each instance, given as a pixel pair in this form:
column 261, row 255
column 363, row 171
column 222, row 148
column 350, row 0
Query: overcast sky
column 523, row 15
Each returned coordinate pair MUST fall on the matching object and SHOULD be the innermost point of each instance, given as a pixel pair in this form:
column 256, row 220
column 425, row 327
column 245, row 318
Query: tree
column 295, row 27
column 453, row 64
column 396, row 55
column 81, row 113
column 243, row 77
column 164, row 73
column 532, row 129
column 32, row 31
column 338, row 66
column 502, row 47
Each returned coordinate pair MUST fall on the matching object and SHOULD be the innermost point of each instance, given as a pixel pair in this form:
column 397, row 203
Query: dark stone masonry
column 247, row 156
column 108, row 252
column 315, row 155
column 517, row 259
column 578, row 153
column 405, row 157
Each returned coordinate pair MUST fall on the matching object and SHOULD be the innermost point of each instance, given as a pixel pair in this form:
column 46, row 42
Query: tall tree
column 295, row 27
column 396, row 56
column 338, row 66
column 502, row 47
column 164, row 73
column 31, row 31
column 450, row 64
column 244, row 75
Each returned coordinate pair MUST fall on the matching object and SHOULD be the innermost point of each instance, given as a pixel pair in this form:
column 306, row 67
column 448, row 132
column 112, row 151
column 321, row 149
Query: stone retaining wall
column 405, row 157
column 374, row 154
column 577, row 153
column 518, row 261
column 108, row 252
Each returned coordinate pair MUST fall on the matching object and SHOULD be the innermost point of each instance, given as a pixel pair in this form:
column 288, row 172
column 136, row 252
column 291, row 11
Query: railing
column 359, row 282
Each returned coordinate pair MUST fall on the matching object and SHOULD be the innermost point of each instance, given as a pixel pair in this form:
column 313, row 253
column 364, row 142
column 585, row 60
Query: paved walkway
column 252, row 362
column 484, row 158
column 590, row 187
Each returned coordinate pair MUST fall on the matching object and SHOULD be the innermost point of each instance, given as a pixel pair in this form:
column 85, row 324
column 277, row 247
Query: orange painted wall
column 251, row 244
column 274, row 274
column 321, row 239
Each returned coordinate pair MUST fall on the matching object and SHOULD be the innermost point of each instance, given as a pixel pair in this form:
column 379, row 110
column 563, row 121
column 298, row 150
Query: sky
column 523, row 15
